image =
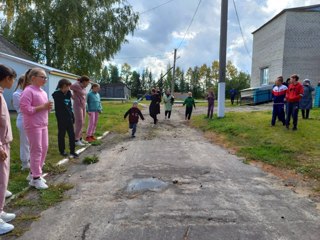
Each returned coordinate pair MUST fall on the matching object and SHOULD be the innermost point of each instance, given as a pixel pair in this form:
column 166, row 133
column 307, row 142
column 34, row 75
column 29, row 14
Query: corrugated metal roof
column 10, row 48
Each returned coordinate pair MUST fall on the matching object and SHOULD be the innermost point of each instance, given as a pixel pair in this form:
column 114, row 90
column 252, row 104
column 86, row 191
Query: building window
column 264, row 76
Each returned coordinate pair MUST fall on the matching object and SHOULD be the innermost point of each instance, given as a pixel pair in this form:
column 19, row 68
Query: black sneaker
column 74, row 155
column 64, row 154
column 294, row 129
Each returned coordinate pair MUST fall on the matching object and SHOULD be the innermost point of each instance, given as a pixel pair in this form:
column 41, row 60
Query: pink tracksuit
column 79, row 108
column 5, row 139
column 36, row 126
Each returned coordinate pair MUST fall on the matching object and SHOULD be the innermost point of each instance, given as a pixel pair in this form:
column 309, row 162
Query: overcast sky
column 162, row 29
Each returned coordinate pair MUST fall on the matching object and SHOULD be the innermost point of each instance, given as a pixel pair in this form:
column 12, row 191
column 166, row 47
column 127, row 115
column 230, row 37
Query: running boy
column 134, row 114
column 65, row 117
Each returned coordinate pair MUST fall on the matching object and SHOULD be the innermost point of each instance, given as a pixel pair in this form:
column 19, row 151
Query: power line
column 244, row 41
column 189, row 24
column 151, row 9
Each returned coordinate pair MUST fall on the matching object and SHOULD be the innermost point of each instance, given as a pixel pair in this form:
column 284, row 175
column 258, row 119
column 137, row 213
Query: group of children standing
column 294, row 96
column 33, row 107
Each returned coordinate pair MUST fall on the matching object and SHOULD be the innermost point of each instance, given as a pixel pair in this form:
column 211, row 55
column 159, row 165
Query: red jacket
column 294, row 92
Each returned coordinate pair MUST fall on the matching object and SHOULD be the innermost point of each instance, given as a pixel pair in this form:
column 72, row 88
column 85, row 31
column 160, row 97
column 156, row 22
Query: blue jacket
column 94, row 102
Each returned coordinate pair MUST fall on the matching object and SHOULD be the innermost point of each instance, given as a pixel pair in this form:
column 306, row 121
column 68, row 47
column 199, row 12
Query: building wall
column 302, row 48
column 268, row 47
column 20, row 69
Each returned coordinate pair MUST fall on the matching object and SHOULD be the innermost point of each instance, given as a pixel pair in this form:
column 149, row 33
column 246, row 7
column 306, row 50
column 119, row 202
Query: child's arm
column 26, row 105
column 126, row 114
column 194, row 103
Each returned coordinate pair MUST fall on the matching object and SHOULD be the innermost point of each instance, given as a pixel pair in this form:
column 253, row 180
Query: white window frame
column 264, row 75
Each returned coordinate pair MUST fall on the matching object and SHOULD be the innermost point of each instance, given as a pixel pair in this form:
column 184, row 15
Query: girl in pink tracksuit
column 7, row 76
column 35, row 108
column 79, row 106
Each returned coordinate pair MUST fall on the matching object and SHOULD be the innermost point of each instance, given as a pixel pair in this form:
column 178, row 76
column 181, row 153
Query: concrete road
column 197, row 191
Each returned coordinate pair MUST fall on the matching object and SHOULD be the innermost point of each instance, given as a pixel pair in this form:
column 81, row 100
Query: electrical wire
column 151, row 9
column 195, row 12
column 244, row 41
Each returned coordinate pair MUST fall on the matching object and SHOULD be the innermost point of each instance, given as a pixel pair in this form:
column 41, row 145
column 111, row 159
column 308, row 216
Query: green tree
column 136, row 84
column 73, row 35
column 114, row 74
column 126, row 74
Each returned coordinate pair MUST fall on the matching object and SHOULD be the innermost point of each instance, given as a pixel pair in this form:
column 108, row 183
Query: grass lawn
column 110, row 120
column 252, row 136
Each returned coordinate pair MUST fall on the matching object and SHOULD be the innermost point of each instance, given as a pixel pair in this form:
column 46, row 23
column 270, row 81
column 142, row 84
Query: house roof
column 31, row 64
column 10, row 48
column 311, row 8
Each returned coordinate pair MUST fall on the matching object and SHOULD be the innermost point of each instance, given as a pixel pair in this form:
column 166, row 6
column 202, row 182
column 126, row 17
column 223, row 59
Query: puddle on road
column 146, row 184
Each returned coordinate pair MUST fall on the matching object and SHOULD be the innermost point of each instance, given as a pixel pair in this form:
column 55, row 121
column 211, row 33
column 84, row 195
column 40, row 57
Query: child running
column 24, row 142
column 7, row 76
column 189, row 102
column 35, row 108
column 94, row 108
column 65, row 117
column 134, row 114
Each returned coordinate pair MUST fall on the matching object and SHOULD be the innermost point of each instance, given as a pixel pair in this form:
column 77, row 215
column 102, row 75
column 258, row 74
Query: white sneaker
column 7, row 217
column 38, row 184
column 79, row 143
column 29, row 178
column 8, row 194
column 5, row 227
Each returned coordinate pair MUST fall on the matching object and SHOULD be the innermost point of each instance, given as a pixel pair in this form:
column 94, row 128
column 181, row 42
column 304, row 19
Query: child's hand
column 3, row 155
column 47, row 106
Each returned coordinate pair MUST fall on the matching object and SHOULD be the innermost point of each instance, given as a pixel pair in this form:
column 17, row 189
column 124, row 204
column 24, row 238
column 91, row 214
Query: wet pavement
column 171, row 183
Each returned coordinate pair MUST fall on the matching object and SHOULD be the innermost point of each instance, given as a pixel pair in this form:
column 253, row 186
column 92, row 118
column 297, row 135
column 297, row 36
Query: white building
column 21, row 65
column 287, row 44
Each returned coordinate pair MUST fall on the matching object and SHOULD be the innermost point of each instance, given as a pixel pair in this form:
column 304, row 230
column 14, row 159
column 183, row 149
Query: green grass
column 110, row 120
column 91, row 159
column 250, row 133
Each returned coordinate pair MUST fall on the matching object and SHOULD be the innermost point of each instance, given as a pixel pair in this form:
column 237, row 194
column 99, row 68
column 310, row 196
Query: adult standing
column 306, row 100
column 158, row 95
column 293, row 96
column 210, row 97
column 79, row 106
column 233, row 93
column 168, row 100
column 153, row 107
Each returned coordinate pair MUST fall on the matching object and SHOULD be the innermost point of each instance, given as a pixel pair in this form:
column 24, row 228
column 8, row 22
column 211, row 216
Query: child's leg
column 45, row 145
column 289, row 113
column 211, row 110
column 303, row 113
column 134, row 128
column 78, row 123
column 71, row 136
column 295, row 112
column 90, row 124
column 274, row 115
column 24, row 144
column 95, row 122
column 190, row 114
column 281, row 115
column 307, row 113
column 169, row 114
column 61, row 136
column 4, row 175
column 35, row 140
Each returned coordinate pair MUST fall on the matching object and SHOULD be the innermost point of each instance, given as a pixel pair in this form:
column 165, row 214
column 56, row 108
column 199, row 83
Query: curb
column 60, row 163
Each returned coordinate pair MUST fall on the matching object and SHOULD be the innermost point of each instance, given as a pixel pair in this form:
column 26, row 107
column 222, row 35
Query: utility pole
column 173, row 71
column 222, row 58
